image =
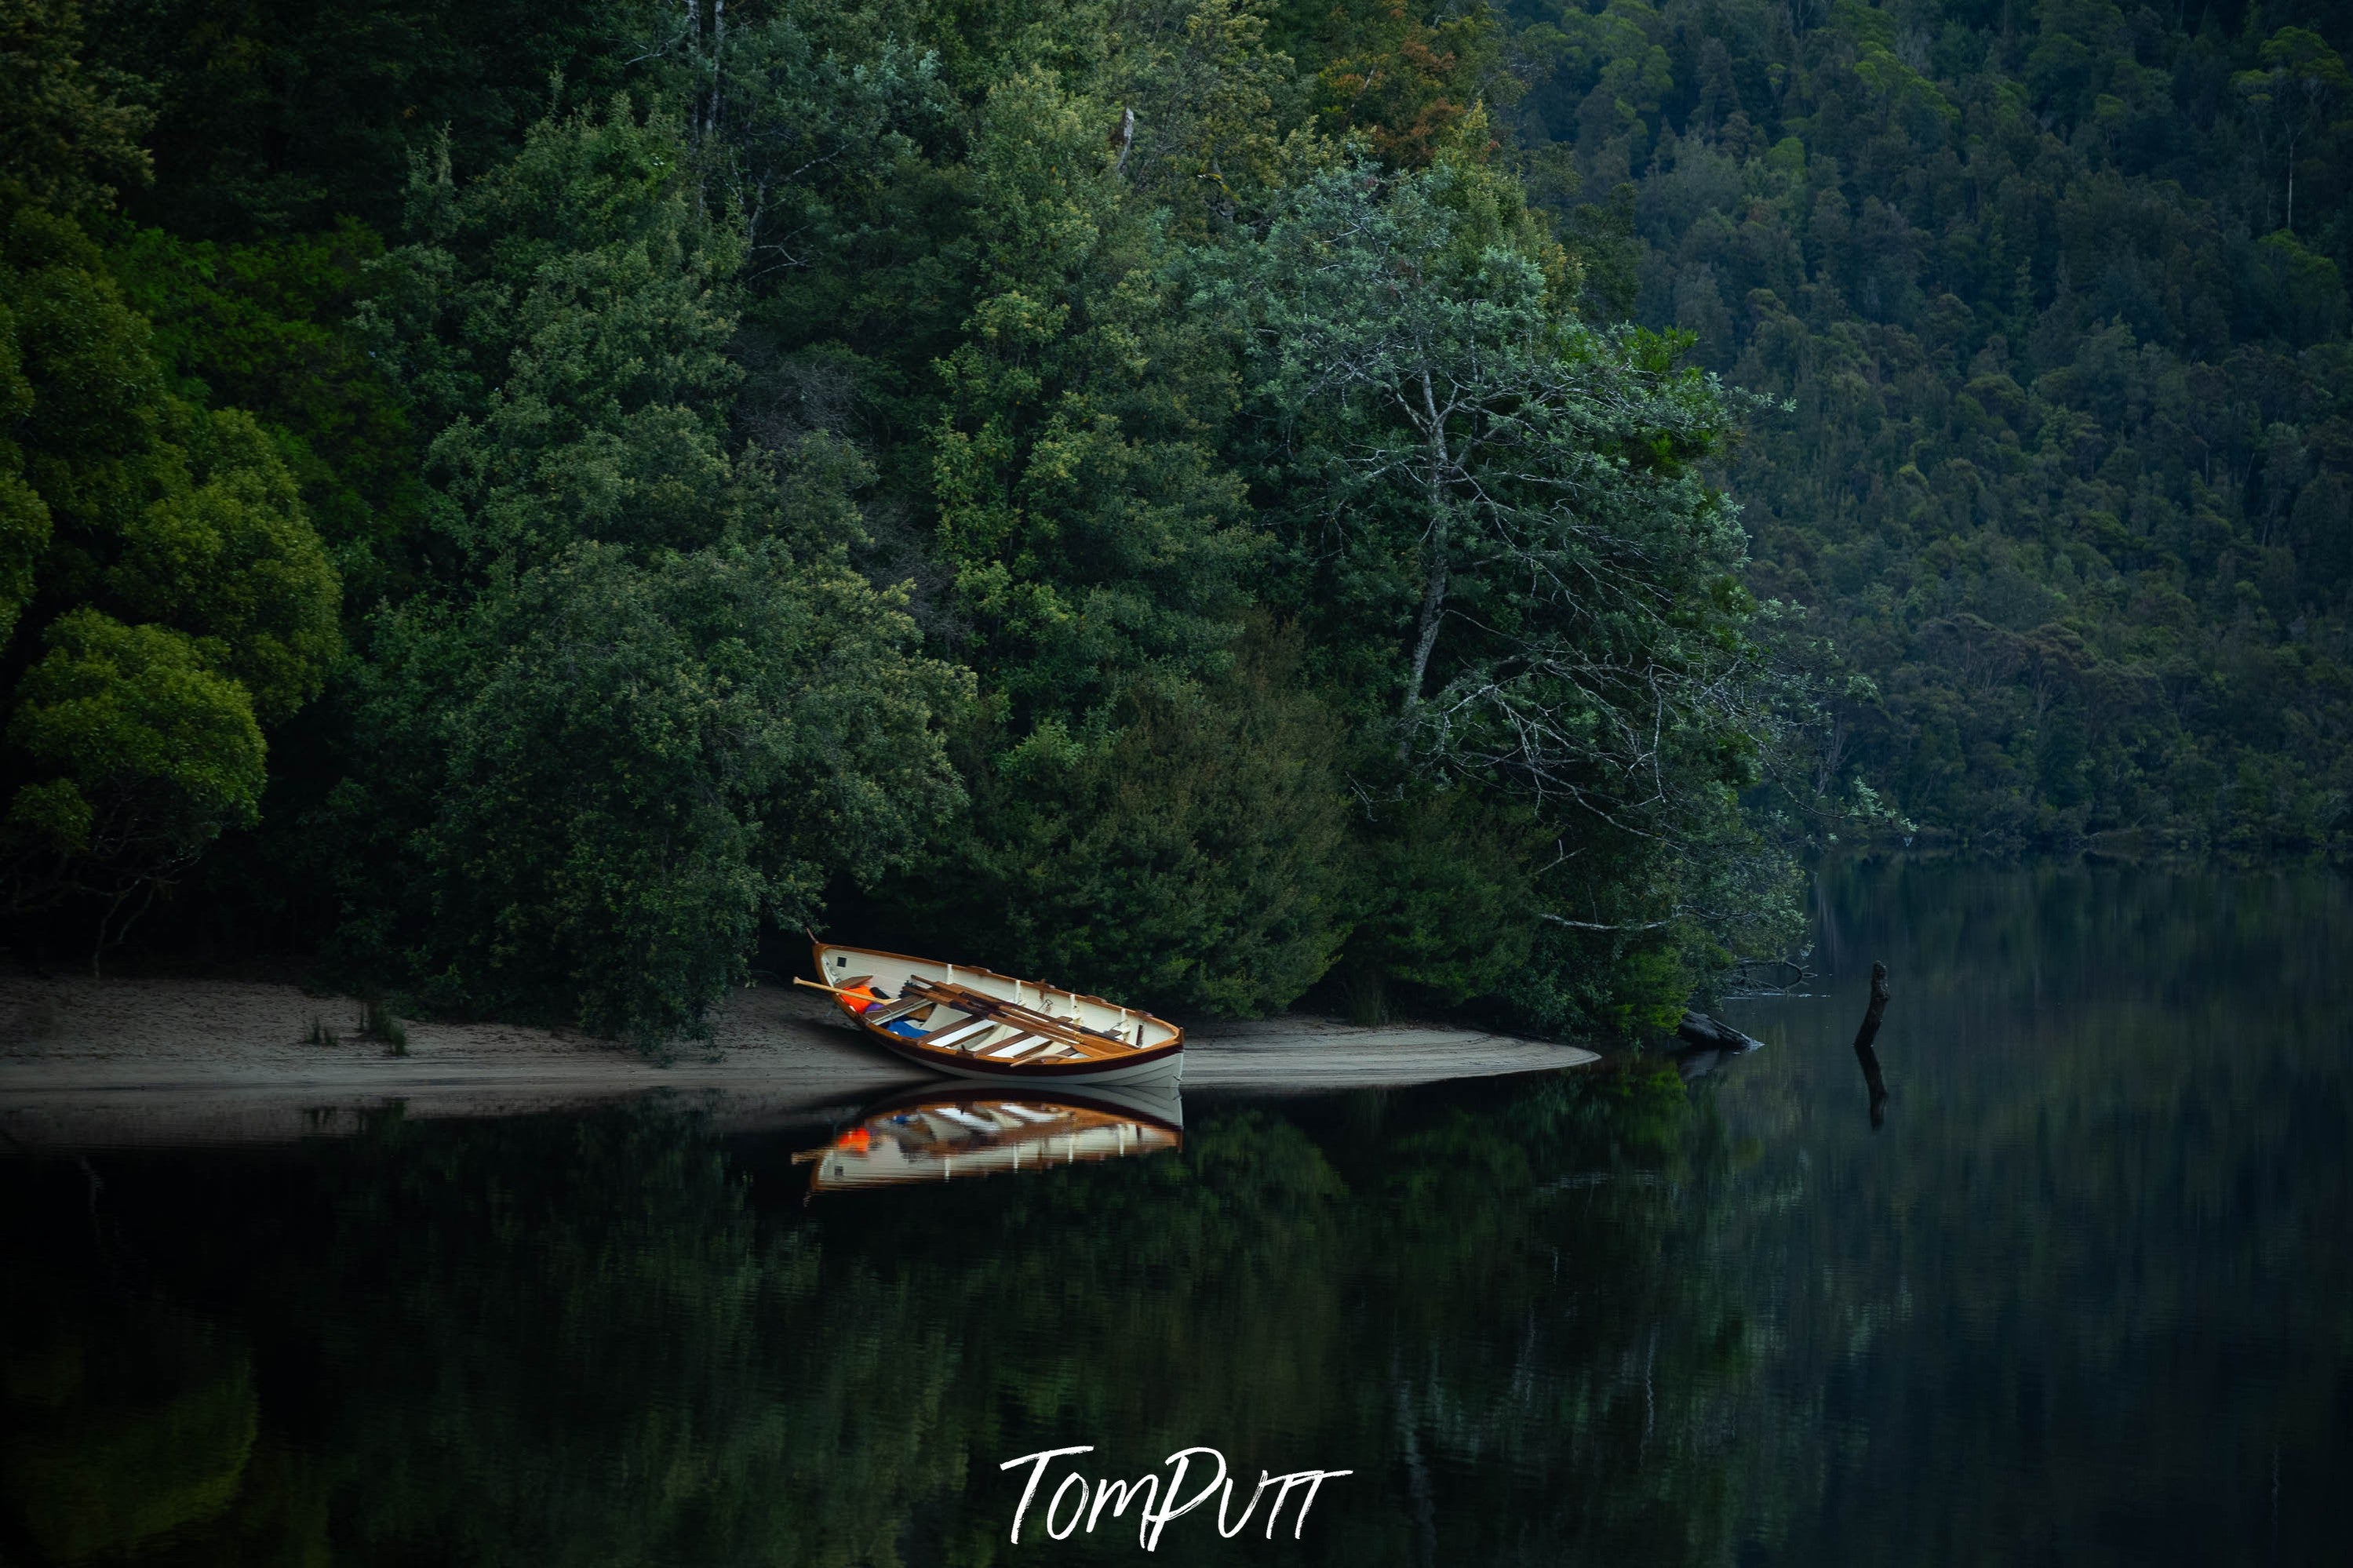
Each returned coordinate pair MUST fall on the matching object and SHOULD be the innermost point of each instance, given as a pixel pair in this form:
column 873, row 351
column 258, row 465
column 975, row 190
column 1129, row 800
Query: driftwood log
column 1708, row 1045
column 1699, row 1029
column 1864, row 1051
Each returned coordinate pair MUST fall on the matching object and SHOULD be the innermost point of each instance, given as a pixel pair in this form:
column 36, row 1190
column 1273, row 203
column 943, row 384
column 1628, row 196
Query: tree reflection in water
column 2086, row 1292
column 618, row 1340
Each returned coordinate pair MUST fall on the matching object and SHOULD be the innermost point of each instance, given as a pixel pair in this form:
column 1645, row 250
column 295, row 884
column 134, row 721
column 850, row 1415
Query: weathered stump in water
column 1863, row 1037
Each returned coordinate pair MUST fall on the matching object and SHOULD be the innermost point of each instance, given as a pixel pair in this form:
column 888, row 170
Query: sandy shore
column 86, row 1063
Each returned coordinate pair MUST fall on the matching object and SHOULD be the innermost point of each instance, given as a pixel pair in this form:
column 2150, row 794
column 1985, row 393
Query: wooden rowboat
column 977, row 1023
column 953, row 1131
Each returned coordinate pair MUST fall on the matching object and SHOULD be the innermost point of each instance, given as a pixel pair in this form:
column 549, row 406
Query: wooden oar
column 814, row 985
column 977, row 1004
column 980, row 1004
column 1013, row 1015
column 954, row 996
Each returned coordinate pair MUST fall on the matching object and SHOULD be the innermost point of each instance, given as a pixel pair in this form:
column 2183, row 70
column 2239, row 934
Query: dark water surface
column 2086, row 1296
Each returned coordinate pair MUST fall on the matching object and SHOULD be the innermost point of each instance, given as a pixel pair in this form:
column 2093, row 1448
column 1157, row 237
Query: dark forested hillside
column 2055, row 295
column 1208, row 498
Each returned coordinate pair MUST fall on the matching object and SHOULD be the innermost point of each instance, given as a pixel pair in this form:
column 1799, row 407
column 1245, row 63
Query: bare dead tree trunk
column 1123, row 138
column 1433, row 610
column 1433, row 595
column 1863, row 1052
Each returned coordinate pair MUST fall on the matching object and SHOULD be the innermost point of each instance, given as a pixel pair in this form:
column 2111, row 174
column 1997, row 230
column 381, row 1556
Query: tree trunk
column 718, row 48
column 1433, row 609
column 1864, row 1054
column 1433, row 593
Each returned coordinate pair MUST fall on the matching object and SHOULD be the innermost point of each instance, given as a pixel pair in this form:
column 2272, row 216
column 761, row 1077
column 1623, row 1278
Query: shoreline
column 174, row 1061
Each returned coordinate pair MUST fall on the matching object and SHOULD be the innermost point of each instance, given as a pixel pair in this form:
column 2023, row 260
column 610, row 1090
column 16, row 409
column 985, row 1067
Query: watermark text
column 1077, row 1501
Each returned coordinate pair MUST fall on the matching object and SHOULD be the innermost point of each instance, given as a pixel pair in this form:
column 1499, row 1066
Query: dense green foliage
column 1491, row 516
column 645, row 702
column 166, row 592
column 1162, row 492
column 2058, row 292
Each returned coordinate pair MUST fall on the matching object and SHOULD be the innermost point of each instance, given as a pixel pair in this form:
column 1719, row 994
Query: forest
column 1219, row 501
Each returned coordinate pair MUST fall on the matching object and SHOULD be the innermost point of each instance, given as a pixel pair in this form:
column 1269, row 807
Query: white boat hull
column 1149, row 1050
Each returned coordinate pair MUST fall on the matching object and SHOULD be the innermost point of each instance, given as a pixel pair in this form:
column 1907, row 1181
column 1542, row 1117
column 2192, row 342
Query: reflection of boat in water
column 938, row 1134
column 978, row 1024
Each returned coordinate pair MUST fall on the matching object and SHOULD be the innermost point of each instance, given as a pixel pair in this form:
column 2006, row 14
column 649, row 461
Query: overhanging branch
column 1590, row 925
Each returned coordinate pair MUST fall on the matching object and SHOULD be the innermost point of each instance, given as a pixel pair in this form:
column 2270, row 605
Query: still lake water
column 2086, row 1296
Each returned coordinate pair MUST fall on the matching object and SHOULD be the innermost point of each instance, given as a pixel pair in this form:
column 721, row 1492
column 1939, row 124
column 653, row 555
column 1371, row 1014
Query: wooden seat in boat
column 956, row 1034
column 1019, row 1044
column 1038, row 1048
